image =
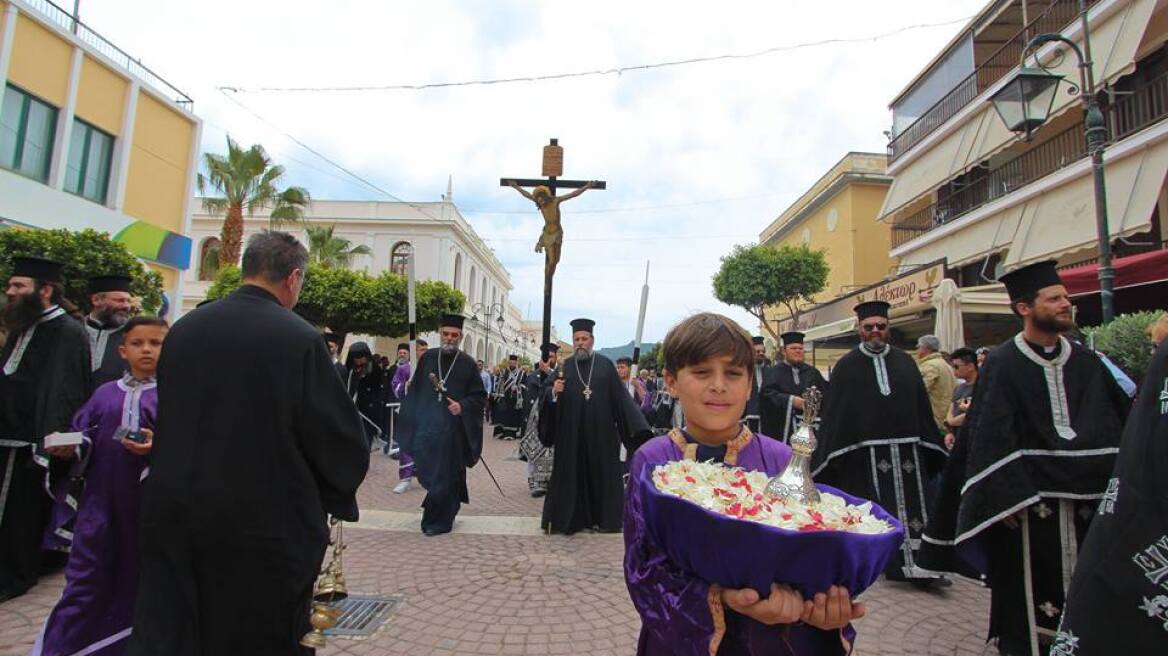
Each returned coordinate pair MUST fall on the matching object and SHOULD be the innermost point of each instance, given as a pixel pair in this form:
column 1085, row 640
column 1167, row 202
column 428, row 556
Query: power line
column 642, row 208
column 620, row 70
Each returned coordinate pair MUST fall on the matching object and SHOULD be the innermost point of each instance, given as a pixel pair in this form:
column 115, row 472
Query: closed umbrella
column 949, row 328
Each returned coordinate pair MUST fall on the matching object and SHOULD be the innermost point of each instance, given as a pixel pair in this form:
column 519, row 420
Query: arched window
column 483, row 292
column 471, row 292
column 209, row 258
column 457, row 269
column 479, row 350
column 399, row 257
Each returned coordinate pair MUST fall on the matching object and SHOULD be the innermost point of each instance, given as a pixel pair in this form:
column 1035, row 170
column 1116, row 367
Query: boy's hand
column 783, row 606
column 63, row 452
column 833, row 610
column 142, row 449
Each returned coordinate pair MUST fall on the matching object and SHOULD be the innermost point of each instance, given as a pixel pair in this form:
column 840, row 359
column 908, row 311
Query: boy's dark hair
column 968, row 356
column 704, row 336
column 144, row 321
column 625, row 361
column 272, row 256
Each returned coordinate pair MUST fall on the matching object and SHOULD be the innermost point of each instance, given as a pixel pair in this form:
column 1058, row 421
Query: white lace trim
column 881, row 369
column 1055, row 384
column 25, row 338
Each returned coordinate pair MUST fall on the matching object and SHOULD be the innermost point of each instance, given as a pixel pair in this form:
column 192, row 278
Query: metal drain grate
column 362, row 614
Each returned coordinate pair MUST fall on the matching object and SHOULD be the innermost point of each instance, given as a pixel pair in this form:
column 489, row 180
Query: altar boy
column 708, row 366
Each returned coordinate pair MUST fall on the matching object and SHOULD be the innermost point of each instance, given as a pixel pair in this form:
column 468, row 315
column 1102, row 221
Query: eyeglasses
column 869, row 327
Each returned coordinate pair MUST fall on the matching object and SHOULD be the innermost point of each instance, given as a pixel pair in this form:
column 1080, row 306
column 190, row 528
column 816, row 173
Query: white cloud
column 757, row 131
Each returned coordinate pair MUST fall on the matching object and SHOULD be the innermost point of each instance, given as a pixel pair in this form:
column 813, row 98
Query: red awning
column 1130, row 271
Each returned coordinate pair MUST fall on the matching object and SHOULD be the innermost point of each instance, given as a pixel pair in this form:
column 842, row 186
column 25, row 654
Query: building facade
column 91, row 138
column 446, row 249
column 969, row 192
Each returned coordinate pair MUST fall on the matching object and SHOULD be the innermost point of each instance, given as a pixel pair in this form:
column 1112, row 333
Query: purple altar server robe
column 400, row 377
column 676, row 616
column 95, row 609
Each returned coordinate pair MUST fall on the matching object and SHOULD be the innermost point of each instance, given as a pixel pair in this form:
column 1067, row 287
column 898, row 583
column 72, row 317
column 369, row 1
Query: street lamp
column 1024, row 104
column 488, row 311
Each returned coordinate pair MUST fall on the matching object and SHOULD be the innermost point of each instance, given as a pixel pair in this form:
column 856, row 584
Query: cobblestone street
column 497, row 586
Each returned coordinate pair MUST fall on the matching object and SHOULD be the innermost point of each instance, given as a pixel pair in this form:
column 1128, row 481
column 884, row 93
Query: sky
column 698, row 157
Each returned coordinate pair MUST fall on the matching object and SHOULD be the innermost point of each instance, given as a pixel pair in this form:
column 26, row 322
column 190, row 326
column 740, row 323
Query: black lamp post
column 488, row 311
column 1024, row 104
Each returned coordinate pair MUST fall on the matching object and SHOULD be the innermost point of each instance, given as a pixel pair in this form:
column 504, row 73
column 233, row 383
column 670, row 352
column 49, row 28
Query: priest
column 539, row 457
column 365, row 382
column 762, row 364
column 587, row 417
column 509, row 398
column 441, row 426
column 44, row 379
column 109, row 298
column 1039, row 443
column 878, row 439
column 781, row 403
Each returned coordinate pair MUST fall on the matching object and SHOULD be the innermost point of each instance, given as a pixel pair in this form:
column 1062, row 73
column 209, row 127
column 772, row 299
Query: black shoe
column 932, row 585
column 538, row 493
column 431, row 532
column 1012, row 647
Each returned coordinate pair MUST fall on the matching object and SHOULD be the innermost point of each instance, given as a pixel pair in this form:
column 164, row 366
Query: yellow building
column 90, row 138
column 838, row 214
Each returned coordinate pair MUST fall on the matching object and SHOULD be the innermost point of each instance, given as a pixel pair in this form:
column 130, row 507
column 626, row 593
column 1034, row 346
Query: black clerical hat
column 38, row 268
column 332, row 337
column 452, row 321
column 113, row 283
column 548, row 348
column 872, row 309
column 512, row 357
column 403, row 347
column 1026, row 281
column 792, row 337
column 582, row 324
column 757, row 339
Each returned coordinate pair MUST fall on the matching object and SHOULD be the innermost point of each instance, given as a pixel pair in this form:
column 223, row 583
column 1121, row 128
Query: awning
column 1062, row 220
column 929, row 169
column 833, row 329
column 983, row 236
column 1130, row 271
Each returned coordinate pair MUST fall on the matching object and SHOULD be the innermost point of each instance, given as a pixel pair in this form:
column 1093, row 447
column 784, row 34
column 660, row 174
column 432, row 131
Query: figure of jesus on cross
column 544, row 196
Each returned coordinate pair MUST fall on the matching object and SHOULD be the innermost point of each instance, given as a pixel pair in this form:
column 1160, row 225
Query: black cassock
column 41, row 387
column 784, row 382
column 256, row 441
column 443, row 445
column 1039, row 441
column 586, row 489
column 107, row 363
column 368, row 394
column 1118, row 600
column 751, row 413
column 509, row 406
column 878, row 441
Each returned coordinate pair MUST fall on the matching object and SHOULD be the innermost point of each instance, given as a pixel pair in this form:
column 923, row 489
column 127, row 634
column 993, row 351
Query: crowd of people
column 129, row 448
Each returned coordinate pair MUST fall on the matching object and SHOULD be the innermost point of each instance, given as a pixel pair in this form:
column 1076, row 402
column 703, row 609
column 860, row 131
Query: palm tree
column 247, row 180
column 331, row 252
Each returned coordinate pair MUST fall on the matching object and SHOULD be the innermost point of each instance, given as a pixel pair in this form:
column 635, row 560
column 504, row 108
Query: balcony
column 1132, row 112
column 1053, row 18
column 99, row 43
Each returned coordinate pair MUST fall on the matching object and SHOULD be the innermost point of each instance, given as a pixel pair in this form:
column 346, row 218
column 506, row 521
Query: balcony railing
column 1057, row 15
column 1133, row 112
column 115, row 54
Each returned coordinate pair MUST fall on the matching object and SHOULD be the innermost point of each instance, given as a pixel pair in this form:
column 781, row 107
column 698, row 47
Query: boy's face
column 714, row 393
column 622, row 370
column 141, row 347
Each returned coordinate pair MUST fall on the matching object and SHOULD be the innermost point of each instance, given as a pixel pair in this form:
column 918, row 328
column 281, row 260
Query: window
column 27, row 129
column 88, row 169
column 471, row 296
column 209, row 258
column 457, row 269
column 399, row 258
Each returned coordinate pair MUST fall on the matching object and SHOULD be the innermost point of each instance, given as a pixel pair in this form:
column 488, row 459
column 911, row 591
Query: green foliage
column 756, row 276
column 85, row 254
column 347, row 301
column 1125, row 340
column 654, row 358
column 328, row 251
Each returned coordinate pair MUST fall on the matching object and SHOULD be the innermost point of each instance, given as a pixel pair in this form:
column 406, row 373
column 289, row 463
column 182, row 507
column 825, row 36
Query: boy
column 708, row 365
column 95, row 609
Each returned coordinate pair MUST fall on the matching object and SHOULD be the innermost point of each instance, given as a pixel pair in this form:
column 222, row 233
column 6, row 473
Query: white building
column 446, row 247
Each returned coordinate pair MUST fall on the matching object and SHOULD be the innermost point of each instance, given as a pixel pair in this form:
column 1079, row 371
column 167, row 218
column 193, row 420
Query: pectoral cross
column 587, row 393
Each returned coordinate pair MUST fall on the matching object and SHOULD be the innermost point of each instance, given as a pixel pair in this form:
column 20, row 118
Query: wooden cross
column 543, row 194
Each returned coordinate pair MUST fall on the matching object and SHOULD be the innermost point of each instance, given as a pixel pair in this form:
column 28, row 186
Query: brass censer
column 794, row 482
column 330, row 588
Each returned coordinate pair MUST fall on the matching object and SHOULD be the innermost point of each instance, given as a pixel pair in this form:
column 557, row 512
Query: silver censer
column 794, row 483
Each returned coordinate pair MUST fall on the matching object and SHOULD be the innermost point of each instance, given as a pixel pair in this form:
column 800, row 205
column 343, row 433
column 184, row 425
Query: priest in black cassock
column 762, row 365
column 509, row 401
column 587, row 417
column 44, row 379
column 1118, row 599
column 539, row 457
column 441, row 426
column 256, row 445
column 366, row 383
column 109, row 296
column 1039, row 444
column 781, row 404
column 878, row 439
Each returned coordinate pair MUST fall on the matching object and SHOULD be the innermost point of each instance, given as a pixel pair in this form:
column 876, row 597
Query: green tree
column 756, row 276
column 347, row 301
column 654, row 358
column 247, row 181
column 1125, row 341
column 85, row 254
column 327, row 251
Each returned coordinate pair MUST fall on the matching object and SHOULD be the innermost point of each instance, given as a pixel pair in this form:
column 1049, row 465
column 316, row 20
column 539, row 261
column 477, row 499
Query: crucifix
column 543, row 194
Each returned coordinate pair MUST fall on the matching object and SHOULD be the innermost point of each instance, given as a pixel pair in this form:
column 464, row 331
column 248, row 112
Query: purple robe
column 96, row 607
column 405, row 462
column 676, row 614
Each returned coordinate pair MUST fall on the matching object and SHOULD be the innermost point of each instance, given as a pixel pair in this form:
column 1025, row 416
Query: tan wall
column 101, row 97
column 40, row 62
column 872, row 262
column 157, row 181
